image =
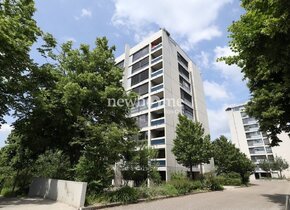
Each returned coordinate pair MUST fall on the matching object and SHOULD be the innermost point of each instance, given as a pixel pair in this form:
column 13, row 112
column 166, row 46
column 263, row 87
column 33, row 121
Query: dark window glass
column 184, row 83
column 141, row 90
column 140, row 53
column 185, row 96
column 139, row 77
column 182, row 60
column 121, row 64
column 144, row 62
column 142, row 121
column 183, row 71
column 186, row 110
column 161, row 153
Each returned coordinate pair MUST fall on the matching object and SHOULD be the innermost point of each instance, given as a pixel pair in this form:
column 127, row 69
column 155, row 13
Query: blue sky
column 199, row 26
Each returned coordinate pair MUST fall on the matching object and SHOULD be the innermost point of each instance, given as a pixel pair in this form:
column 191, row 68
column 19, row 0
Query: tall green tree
column 261, row 43
column 280, row 164
column 228, row 159
column 18, row 31
column 267, row 166
column 191, row 146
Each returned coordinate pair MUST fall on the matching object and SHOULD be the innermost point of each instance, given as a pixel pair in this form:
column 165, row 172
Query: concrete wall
column 69, row 192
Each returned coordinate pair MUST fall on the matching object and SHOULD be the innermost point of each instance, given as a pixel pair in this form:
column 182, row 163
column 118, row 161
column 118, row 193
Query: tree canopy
column 191, row 145
column 261, row 43
column 228, row 159
column 18, row 31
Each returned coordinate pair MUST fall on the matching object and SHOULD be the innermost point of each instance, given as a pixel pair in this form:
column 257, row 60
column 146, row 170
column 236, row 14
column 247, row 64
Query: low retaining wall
column 69, row 192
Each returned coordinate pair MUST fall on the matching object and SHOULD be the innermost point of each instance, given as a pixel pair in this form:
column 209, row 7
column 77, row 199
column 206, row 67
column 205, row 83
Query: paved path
column 263, row 195
column 31, row 204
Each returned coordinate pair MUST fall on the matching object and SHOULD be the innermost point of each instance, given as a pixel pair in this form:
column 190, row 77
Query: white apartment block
column 246, row 136
column 168, row 83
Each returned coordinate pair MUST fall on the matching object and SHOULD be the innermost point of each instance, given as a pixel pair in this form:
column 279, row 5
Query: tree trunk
column 190, row 172
column 15, row 180
column 280, row 174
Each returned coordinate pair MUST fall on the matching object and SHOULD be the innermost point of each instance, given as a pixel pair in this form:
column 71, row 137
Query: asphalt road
column 263, row 195
column 31, row 204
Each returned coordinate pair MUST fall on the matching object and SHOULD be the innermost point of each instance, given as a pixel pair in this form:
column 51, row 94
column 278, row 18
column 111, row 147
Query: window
column 143, row 136
column 183, row 71
column 187, row 111
column 121, row 64
column 185, row 96
column 144, row 51
column 141, row 90
column 161, row 153
column 142, row 120
column 139, row 77
column 184, row 83
column 182, row 59
column 144, row 62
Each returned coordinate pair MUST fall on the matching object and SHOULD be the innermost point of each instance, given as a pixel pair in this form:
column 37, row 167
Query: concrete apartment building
column 168, row 83
column 246, row 136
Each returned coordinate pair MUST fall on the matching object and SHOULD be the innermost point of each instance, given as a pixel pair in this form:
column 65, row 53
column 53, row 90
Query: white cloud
column 215, row 91
column 84, row 13
column 194, row 20
column 218, row 122
column 229, row 72
column 4, row 132
column 202, row 59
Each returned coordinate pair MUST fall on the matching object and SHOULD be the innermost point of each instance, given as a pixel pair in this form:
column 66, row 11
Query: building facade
column 246, row 136
column 168, row 83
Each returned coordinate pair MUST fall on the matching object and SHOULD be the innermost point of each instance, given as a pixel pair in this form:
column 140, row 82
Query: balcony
column 156, row 47
column 158, row 141
column 157, row 104
column 155, row 60
column 254, row 137
column 156, row 87
column 187, row 88
column 159, row 163
column 158, row 121
column 258, row 152
column 251, row 129
column 138, row 109
column 157, row 73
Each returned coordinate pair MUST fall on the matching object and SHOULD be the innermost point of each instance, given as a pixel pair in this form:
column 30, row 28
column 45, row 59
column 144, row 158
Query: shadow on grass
column 276, row 198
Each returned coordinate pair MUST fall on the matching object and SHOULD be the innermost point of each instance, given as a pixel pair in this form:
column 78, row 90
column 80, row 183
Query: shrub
column 212, row 183
column 196, row 185
column 169, row 190
column 183, row 186
column 124, row 195
column 178, row 175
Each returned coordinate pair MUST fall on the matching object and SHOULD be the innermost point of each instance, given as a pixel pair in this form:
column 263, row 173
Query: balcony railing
column 138, row 109
column 159, row 163
column 154, row 60
column 157, row 73
column 251, row 129
column 158, row 121
column 258, row 152
column 157, row 103
column 158, row 141
column 254, row 137
column 156, row 47
column 157, row 87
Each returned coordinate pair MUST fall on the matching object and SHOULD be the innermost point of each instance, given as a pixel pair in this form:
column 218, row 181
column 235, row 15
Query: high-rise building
column 246, row 136
column 168, row 83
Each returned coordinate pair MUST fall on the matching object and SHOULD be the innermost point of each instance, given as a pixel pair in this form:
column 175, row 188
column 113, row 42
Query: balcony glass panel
column 156, row 47
column 157, row 104
column 156, row 87
column 159, row 163
column 156, row 73
column 158, row 121
column 158, row 141
column 154, row 60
